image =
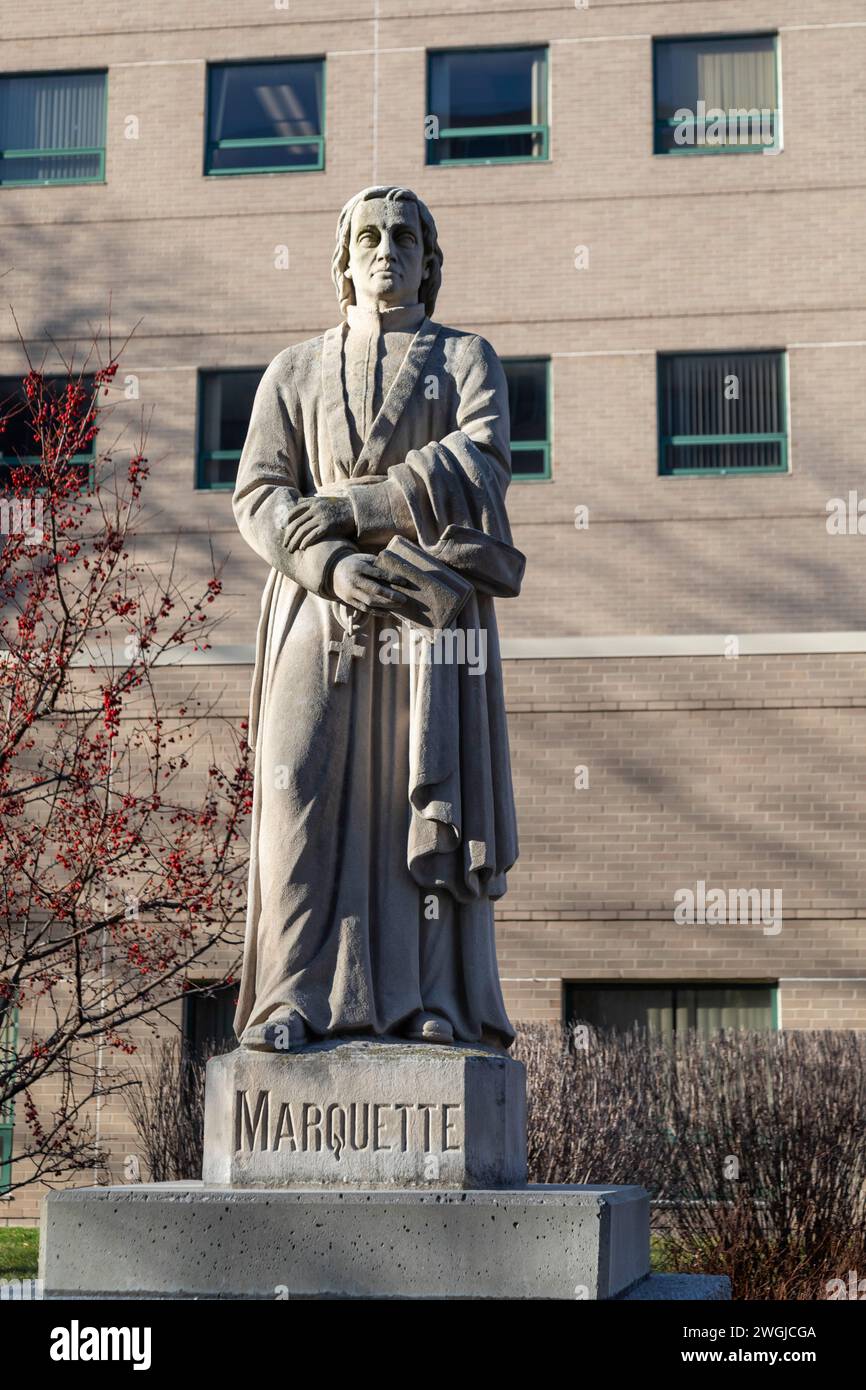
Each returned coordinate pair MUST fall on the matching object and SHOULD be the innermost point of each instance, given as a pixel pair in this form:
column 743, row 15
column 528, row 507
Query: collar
column 405, row 318
column 401, row 393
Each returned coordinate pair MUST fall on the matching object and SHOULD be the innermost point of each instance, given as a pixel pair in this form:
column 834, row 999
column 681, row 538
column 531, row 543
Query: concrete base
column 196, row 1240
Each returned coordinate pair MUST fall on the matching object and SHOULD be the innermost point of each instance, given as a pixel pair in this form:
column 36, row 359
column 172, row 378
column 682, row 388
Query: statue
column 373, row 482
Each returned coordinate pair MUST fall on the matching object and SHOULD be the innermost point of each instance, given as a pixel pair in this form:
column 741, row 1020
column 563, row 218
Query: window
column 18, row 444
column 266, row 118
column 208, row 1020
column 489, row 104
column 52, row 128
column 8, row 1050
column 722, row 412
column 716, row 95
column 225, row 406
column 665, row 1009
column 529, row 406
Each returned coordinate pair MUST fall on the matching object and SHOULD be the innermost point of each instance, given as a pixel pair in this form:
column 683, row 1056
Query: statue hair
column 432, row 252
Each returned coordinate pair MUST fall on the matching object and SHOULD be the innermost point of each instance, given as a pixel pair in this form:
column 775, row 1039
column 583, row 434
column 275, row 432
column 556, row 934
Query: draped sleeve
column 450, row 494
column 271, row 479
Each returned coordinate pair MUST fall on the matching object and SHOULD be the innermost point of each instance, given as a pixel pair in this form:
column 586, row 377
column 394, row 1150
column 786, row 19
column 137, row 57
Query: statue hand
column 317, row 519
column 357, row 582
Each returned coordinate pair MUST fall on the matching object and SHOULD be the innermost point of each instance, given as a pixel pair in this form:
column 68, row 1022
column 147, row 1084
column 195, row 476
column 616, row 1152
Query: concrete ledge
column 615, row 646
column 192, row 1240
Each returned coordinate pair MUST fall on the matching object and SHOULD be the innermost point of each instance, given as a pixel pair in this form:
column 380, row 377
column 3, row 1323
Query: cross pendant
column 345, row 650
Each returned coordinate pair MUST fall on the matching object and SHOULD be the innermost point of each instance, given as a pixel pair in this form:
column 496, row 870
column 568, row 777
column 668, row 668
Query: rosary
column 352, row 623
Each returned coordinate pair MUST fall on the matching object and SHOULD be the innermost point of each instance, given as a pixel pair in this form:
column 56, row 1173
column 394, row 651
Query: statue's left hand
column 317, row 519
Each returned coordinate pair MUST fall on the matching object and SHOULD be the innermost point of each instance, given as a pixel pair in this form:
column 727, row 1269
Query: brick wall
column 737, row 251
column 743, row 773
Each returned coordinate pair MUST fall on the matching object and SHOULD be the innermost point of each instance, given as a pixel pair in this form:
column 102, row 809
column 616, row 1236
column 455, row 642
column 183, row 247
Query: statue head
column 387, row 250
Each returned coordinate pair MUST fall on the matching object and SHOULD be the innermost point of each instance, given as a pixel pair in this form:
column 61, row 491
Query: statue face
column 386, row 253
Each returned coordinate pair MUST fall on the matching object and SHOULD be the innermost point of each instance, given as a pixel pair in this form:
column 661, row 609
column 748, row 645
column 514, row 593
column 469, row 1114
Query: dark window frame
column 545, row 445
column 637, row 986
column 541, row 128
column 219, row 455
column 781, row 437
column 9, row 1022
column 81, row 461
column 659, row 41
column 264, row 142
column 48, row 152
column 201, row 989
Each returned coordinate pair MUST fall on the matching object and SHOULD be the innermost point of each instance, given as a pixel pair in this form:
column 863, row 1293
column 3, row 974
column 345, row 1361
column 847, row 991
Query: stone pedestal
column 358, row 1170
column 209, row 1242
column 368, row 1114
column 195, row 1240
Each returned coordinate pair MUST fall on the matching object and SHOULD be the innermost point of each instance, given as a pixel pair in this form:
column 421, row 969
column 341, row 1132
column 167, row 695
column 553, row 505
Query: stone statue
column 383, row 821
column 373, row 482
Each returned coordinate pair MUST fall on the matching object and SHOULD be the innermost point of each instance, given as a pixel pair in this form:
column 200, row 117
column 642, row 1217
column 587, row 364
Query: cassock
column 383, row 821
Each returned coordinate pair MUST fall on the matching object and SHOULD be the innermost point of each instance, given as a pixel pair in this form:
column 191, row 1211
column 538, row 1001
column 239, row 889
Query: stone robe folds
column 383, row 819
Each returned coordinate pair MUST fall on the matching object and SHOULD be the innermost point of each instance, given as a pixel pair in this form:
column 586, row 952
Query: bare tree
column 117, row 873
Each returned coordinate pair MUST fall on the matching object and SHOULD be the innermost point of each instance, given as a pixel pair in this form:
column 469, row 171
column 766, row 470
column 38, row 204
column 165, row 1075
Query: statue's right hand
column 357, row 582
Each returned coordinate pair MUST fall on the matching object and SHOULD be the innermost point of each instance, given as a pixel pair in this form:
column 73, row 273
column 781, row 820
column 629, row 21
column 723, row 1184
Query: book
column 435, row 592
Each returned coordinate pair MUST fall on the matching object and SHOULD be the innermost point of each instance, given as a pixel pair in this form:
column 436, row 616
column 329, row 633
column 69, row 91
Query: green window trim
column 676, row 441
column 48, row 154
column 663, row 124
column 541, row 129
column 205, row 456
column 8, row 1050
column 466, row 132
column 59, row 151
column 6, row 1131
column 634, row 986
column 543, row 445
column 34, row 460
column 266, row 141
column 723, row 148
column 77, row 461
column 216, row 456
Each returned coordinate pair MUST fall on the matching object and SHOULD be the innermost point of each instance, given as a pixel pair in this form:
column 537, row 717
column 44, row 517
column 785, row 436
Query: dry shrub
column 166, row 1106
column 752, row 1145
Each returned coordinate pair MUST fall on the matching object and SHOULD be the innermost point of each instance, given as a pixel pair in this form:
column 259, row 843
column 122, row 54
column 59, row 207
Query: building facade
column 657, row 219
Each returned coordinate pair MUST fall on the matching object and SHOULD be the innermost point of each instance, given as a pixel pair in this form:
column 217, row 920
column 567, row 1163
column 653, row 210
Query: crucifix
column 346, row 650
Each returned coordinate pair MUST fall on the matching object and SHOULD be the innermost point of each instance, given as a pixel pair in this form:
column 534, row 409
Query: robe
column 383, row 820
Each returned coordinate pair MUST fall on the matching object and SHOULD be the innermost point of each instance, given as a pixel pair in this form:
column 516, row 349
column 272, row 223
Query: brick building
column 681, row 304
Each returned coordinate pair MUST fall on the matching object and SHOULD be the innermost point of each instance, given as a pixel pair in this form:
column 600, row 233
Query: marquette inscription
column 303, row 1126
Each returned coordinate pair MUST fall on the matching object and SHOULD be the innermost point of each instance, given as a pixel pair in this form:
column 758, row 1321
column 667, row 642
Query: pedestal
column 196, row 1240
column 368, row 1114
column 358, row 1170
